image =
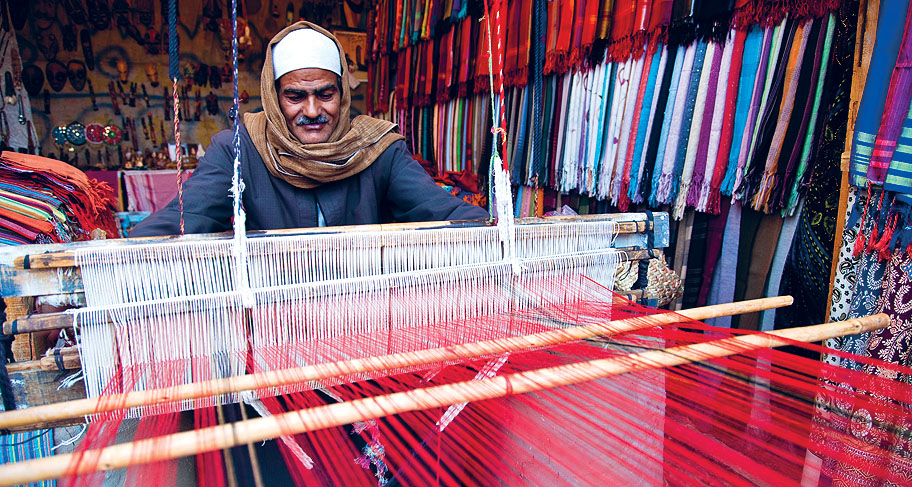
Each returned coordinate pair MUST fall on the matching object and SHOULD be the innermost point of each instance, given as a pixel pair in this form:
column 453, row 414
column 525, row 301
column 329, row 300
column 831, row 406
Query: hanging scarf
column 632, row 108
column 560, row 26
column 801, row 123
column 603, row 31
column 631, row 164
column 590, row 27
column 772, row 12
column 791, row 76
column 711, row 132
column 674, row 107
column 648, row 117
column 754, row 108
column 352, row 146
column 620, row 43
column 750, row 64
column 519, row 32
column 652, row 163
column 575, row 56
column 466, row 56
column 720, row 168
column 898, row 97
column 659, row 19
column 695, row 131
column 816, row 122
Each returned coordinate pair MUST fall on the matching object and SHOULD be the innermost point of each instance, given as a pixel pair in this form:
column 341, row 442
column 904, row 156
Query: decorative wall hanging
column 76, row 73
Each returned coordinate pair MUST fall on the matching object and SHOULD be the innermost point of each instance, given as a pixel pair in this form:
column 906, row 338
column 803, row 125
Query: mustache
column 304, row 120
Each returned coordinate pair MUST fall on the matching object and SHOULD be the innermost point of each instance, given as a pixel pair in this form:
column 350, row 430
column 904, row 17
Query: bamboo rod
column 66, row 258
column 83, row 407
column 295, row 422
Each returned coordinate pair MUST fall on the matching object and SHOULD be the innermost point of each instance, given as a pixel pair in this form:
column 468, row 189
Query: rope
column 174, row 74
column 237, row 185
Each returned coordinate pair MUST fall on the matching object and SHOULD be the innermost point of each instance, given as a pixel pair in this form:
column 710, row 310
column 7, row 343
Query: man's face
column 310, row 101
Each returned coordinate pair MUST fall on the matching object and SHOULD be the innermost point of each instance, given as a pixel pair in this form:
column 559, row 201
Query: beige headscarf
column 352, row 147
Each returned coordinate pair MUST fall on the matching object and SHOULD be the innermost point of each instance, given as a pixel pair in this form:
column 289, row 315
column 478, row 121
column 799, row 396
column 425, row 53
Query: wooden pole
column 259, row 429
column 42, row 259
column 277, row 378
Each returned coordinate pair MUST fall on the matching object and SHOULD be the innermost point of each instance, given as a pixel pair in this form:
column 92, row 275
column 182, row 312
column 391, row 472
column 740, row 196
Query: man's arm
column 413, row 196
column 207, row 201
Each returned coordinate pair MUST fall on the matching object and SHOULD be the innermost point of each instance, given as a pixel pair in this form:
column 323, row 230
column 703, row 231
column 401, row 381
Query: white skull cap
column 305, row 48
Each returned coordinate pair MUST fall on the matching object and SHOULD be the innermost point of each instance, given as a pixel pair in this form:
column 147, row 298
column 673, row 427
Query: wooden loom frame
column 31, row 271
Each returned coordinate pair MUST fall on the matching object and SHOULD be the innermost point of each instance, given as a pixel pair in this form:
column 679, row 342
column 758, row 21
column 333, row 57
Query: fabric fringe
column 714, row 205
column 555, row 62
column 663, row 190
column 772, row 12
column 680, row 203
column 697, row 185
column 621, row 49
column 516, row 77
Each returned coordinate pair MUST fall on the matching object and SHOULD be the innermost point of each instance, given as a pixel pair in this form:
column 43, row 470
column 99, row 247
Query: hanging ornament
column 94, row 133
column 59, row 134
column 9, row 91
column 92, row 96
column 112, row 135
column 152, row 74
column 47, row 102
column 33, row 79
column 244, row 98
column 212, row 103
column 76, row 73
column 75, row 10
column 99, row 14
column 145, row 95
column 113, row 92
column 86, row 40
column 69, row 35
column 132, row 94
column 152, row 42
column 76, row 133
column 48, row 45
column 56, row 75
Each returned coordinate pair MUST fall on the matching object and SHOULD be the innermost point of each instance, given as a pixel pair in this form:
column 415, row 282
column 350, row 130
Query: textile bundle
column 672, row 103
column 47, row 201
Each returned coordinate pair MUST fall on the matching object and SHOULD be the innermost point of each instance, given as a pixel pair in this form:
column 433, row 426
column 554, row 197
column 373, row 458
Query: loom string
column 174, row 74
column 502, row 205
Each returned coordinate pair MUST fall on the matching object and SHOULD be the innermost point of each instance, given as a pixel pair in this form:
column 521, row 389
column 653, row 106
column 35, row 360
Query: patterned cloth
column 19, row 447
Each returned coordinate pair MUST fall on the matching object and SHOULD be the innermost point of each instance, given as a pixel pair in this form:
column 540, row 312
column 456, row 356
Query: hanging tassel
column 883, row 246
column 860, row 240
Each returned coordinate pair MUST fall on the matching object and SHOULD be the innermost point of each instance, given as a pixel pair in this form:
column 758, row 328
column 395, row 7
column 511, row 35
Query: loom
column 348, row 311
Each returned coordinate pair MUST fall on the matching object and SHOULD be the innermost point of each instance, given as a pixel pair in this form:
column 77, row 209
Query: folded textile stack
column 47, row 201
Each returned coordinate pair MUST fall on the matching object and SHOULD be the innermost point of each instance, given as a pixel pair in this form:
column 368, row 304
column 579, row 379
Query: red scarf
column 465, row 56
column 560, row 28
column 659, row 19
column 620, row 43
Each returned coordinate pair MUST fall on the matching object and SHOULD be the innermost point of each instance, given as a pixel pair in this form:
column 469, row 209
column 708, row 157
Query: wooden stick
column 259, row 429
column 41, row 259
column 83, row 407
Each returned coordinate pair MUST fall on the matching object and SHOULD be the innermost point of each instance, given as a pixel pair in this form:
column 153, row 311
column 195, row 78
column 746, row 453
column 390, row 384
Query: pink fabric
column 151, row 190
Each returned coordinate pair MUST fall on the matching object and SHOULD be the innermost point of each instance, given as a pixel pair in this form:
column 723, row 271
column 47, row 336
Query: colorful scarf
column 794, row 69
column 692, row 148
column 660, row 173
column 895, row 106
column 720, row 146
column 645, row 123
column 872, row 107
column 711, row 131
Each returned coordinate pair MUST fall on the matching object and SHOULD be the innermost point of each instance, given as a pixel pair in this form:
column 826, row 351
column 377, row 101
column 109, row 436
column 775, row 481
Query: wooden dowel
column 83, row 407
column 295, row 422
column 60, row 320
column 66, row 258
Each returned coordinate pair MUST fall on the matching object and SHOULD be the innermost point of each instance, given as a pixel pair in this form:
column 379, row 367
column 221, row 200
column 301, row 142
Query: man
column 303, row 163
